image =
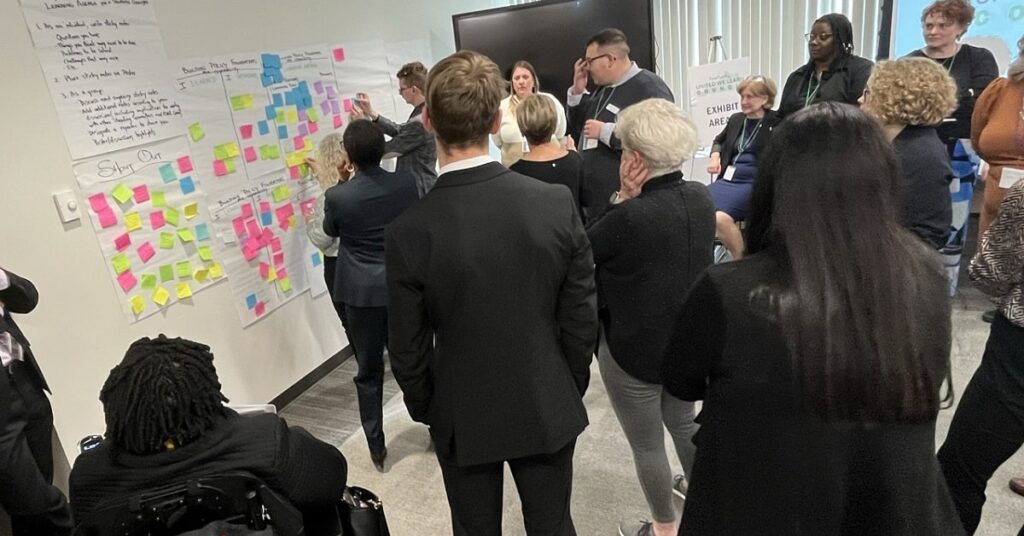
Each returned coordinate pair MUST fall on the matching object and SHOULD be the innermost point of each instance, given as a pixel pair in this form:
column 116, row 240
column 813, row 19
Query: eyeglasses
column 821, row 38
column 588, row 61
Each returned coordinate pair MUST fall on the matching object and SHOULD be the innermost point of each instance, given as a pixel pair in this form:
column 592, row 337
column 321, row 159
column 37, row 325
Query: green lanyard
column 744, row 141
column 809, row 96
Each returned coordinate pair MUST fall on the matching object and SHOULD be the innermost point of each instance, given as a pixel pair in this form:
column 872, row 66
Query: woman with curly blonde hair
column 330, row 168
column 909, row 97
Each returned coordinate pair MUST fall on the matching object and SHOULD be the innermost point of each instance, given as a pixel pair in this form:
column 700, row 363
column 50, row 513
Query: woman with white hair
column 649, row 245
column 330, row 168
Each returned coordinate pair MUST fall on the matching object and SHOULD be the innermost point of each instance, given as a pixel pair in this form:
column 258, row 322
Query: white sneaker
column 680, row 486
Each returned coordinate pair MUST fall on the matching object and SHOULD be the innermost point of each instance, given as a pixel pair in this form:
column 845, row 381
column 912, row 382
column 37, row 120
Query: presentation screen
column 552, row 35
column 997, row 26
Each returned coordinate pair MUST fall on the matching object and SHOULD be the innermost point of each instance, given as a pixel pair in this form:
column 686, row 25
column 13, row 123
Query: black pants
column 988, row 426
column 544, row 482
column 26, row 457
column 367, row 330
column 329, row 264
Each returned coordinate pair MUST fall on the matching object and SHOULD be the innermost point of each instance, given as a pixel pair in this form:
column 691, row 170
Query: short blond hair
column 760, row 86
column 911, row 91
column 537, row 118
column 464, row 92
column 330, row 156
column 660, row 131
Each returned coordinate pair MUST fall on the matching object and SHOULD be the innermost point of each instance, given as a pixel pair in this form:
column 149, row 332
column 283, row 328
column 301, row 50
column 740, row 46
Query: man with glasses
column 410, row 142
column 620, row 83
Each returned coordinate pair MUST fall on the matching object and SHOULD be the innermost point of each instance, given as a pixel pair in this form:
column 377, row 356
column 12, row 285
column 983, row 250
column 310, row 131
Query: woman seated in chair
column 166, row 423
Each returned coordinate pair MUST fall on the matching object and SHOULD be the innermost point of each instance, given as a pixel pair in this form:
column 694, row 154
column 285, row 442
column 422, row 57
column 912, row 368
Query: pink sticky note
column 313, row 128
column 339, row 54
column 252, row 228
column 279, row 259
column 264, row 206
column 98, row 202
column 249, row 253
column 275, row 245
column 264, row 270
column 185, row 164
column 239, row 224
column 260, row 308
column 146, row 252
column 282, row 274
column 295, row 173
column 348, row 105
column 141, row 193
column 245, row 131
column 107, row 218
column 122, row 242
column 219, row 169
column 156, row 219
column 299, row 142
column 247, row 210
column 267, row 236
column 250, row 154
column 337, row 121
column 253, row 242
column 126, row 280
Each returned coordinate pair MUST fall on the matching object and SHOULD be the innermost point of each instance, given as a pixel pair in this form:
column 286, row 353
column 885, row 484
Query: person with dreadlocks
column 167, row 423
column 833, row 73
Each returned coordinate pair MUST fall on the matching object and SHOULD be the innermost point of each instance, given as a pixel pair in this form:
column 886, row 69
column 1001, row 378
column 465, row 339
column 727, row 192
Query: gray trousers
column 643, row 409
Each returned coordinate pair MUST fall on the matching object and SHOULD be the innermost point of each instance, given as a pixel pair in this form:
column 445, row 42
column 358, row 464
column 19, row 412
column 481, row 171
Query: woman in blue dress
column 734, row 158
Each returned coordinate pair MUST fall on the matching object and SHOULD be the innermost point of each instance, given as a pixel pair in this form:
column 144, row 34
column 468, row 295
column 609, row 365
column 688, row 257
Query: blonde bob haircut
column 661, row 132
column 537, row 119
column 911, row 91
column 760, row 86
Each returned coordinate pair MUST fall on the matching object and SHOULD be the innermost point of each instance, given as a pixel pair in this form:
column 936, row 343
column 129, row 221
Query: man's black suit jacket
column 21, row 297
column 357, row 212
column 492, row 314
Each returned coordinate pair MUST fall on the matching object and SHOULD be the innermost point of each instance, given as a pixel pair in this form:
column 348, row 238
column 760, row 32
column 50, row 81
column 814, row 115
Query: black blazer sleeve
column 577, row 115
column 696, row 342
column 310, row 472
column 21, row 296
column 410, row 336
column 983, row 70
column 860, row 71
column 577, row 308
column 606, row 232
column 330, row 209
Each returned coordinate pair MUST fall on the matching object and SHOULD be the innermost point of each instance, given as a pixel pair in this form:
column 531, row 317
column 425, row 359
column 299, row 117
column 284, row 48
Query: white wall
column 78, row 332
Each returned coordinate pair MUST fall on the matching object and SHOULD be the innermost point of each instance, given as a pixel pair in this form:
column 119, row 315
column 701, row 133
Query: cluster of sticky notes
column 286, row 217
column 254, row 239
column 224, row 158
column 256, row 305
column 241, row 102
column 271, row 69
column 104, row 214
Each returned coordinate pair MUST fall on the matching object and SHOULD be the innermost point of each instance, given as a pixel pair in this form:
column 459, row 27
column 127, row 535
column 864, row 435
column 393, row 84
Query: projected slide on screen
column 998, row 24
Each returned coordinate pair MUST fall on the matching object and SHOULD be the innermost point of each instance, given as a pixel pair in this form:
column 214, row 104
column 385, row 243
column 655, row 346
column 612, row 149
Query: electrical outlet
column 67, row 206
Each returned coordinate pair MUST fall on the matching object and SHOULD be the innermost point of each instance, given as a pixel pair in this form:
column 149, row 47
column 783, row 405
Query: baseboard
column 307, row 381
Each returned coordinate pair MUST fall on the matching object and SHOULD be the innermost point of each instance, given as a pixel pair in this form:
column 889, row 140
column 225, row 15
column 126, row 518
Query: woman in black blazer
column 734, row 158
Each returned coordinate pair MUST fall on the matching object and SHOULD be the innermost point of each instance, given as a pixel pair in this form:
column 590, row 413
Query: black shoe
column 378, row 458
column 989, row 316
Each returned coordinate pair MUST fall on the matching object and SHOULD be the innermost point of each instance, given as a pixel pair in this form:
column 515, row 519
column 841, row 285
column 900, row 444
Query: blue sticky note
column 266, row 79
column 278, row 100
column 316, row 259
column 290, row 98
column 307, row 102
column 276, row 74
column 304, row 87
column 270, row 60
column 264, row 128
column 250, row 301
column 271, row 112
column 187, row 186
column 267, row 219
column 202, row 232
column 167, row 173
column 282, row 132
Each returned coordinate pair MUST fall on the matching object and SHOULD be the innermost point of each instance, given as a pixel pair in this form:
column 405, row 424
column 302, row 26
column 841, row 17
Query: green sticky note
column 158, row 198
column 185, row 234
column 205, row 253
column 167, row 173
column 281, row 193
column 229, row 165
column 196, row 132
column 166, row 273
column 148, row 281
column 280, row 117
column 166, row 240
column 220, row 152
column 171, row 216
column 273, row 152
column 184, row 270
column 312, row 115
column 122, row 193
column 238, row 102
column 286, row 284
column 121, row 263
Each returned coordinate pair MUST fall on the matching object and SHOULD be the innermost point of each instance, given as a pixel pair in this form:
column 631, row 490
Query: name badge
column 729, row 172
column 612, row 108
column 1010, row 177
column 589, row 143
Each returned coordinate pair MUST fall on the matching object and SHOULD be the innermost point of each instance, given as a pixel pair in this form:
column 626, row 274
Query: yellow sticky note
column 122, row 193
column 220, row 152
column 291, row 116
column 216, row 272
column 160, row 296
column 241, row 102
column 309, row 144
column 191, row 211
column 195, row 131
column 138, row 304
column 132, row 221
column 286, row 284
column 292, row 221
column 232, row 150
column 185, row 234
column 205, row 253
column 271, row 274
column 295, row 159
column 229, row 165
column 183, row 290
column 201, row 275
column 281, row 193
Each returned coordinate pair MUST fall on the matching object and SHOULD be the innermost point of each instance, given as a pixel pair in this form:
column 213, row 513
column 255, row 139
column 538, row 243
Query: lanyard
column 745, row 142
column 809, row 95
column 607, row 101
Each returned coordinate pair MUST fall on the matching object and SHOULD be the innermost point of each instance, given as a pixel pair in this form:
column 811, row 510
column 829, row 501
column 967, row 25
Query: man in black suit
column 357, row 212
column 26, row 424
column 493, row 318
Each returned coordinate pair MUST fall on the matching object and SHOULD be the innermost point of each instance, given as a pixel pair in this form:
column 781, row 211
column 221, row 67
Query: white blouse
column 511, row 141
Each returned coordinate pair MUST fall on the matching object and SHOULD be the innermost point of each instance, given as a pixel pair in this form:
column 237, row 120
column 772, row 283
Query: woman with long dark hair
column 821, row 355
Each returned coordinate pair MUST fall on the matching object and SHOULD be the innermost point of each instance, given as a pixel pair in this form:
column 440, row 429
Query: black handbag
column 362, row 513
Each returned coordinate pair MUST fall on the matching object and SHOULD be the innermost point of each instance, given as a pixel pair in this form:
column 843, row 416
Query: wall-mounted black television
column 552, row 35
